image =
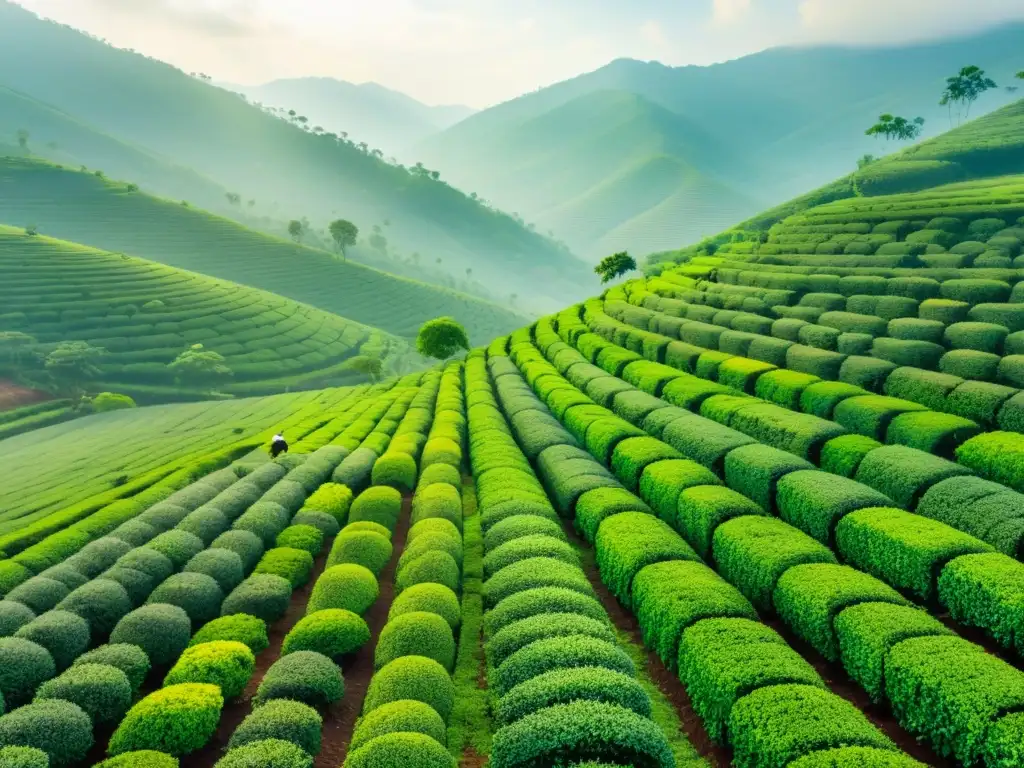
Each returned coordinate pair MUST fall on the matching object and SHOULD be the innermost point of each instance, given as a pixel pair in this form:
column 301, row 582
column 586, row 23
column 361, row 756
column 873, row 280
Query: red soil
column 14, row 396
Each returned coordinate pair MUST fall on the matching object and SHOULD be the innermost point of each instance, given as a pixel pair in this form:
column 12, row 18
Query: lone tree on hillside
column 233, row 198
column 865, row 160
column 898, row 128
column 23, row 136
column 369, row 366
column 296, row 229
column 615, row 266
column 1020, row 75
column 963, row 89
column 344, row 233
column 16, row 348
column 73, row 363
column 441, row 338
column 200, row 367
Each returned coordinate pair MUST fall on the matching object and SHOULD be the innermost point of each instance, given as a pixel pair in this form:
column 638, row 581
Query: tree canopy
column 296, row 229
column 73, row 363
column 898, row 128
column 344, row 233
column 964, row 88
column 614, row 266
column 441, row 338
column 200, row 367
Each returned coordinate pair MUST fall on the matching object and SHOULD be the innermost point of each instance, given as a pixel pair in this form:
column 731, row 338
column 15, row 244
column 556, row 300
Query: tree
column 344, row 233
column 441, row 338
column 1020, row 75
column 865, row 161
column 73, row 363
column 615, row 266
column 233, row 198
column 367, row 365
column 16, row 347
column 200, row 367
column 898, row 128
column 963, row 89
column 23, row 137
column 296, row 230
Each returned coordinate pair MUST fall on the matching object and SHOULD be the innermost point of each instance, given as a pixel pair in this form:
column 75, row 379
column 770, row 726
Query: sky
column 482, row 52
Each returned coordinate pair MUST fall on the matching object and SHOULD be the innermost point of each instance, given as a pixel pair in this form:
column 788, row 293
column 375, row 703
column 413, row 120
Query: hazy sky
column 480, row 52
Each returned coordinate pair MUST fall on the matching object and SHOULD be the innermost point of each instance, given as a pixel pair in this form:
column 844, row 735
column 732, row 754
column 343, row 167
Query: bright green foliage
column 416, row 750
column 264, row 596
column 752, row 553
column 434, row 567
column 332, row 632
column 223, row 565
column 65, row 635
column 130, row 659
column 365, row 548
column 178, row 720
column 821, row 398
column 581, row 731
column 26, row 757
column 985, row 591
column 531, row 573
column 722, row 660
column 332, row 498
column 24, row 666
column 998, row 456
column 379, row 504
column 906, row 551
column 446, row 541
column 552, row 653
column 935, row 433
column 59, row 728
column 868, row 631
column 304, row 537
column 525, row 525
column 596, row 505
column 842, row 455
column 809, row 596
column 412, row 678
column 289, row 721
column 159, row 629
column 703, row 508
column 671, row 596
column 519, row 634
column 755, row 470
column 774, row 726
column 905, row 474
column 662, row 482
column 536, row 545
column 541, row 600
column 350, row 587
column 397, row 470
column 433, row 598
column 871, row 415
column 289, row 563
column 304, row 676
column 416, row 634
column 227, row 664
column 949, row 692
column 856, row 757
column 784, row 387
column 633, row 455
column 815, row 502
column 399, row 717
column 704, row 441
column 269, row 752
column 627, row 543
column 103, row 692
column 239, row 627
column 437, row 501
column 441, row 338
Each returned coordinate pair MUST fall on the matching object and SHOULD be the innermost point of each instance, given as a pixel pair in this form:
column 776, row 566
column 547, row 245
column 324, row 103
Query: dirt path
column 15, row 396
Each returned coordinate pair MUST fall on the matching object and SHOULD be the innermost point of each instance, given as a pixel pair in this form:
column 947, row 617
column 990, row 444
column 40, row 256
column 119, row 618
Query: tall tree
column 898, row 128
column 615, row 266
column 296, row 230
column 23, row 137
column 963, row 89
column 369, row 366
column 200, row 367
column 344, row 233
column 72, row 364
column 441, row 338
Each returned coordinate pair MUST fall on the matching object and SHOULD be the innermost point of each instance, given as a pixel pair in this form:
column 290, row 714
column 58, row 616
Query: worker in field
column 278, row 445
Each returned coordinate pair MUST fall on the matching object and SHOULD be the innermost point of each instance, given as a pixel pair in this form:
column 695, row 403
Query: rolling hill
column 285, row 169
column 758, row 129
column 386, row 119
column 113, row 216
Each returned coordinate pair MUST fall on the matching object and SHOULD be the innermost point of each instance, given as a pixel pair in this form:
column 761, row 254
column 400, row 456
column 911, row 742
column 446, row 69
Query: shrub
column 304, row 537
column 304, row 676
column 539, row 601
column 65, row 635
column 265, row 520
column 222, row 565
column 178, row 720
column 39, row 593
column 442, row 541
column 377, row 505
column 178, row 546
column 537, row 545
column 238, row 627
column 206, row 522
column 969, row 364
column 416, row 750
column 274, row 753
column 722, row 660
column 130, row 659
column 332, row 632
column 776, row 725
column 148, row 561
column 432, row 567
column 289, row 721
column 25, row 757
column 983, row 590
column 521, row 633
column 868, row 631
column 526, row 525
column 905, row 474
column 998, row 456
column 983, row 337
column 198, row 594
column 704, row 441
column 397, row 470
column 927, row 388
column 101, row 691
column 935, row 433
column 411, row 678
column 821, row 399
column 97, row 556
column 596, row 505
column 58, row 728
column 416, row 634
column 349, row 587
column 161, row 630
column 755, row 470
column 137, row 584
column 288, row 494
column 227, row 664
column 366, row 548
column 264, row 596
column 842, row 455
column 581, row 731
column 323, row 522
column 534, row 572
column 784, row 387
column 546, row 654
column 367, row 526
column 295, row 565
column 702, row 509
column 399, row 717
column 815, row 502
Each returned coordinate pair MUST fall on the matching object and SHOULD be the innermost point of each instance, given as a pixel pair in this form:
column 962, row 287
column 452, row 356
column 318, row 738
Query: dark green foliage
column 98, row 555
column 59, row 728
column 325, row 523
column 227, row 664
column 263, row 519
column 177, row 720
column 239, row 627
column 817, row 362
column 546, row 654
column 267, row 752
column 416, row 634
column 722, row 660
column 702, row 509
column 102, row 603
column 103, row 692
column 304, row 676
column 399, row 717
column 754, row 471
column 289, row 721
column 926, row 388
column 983, row 337
column 915, row 329
column 65, row 635
column 872, row 414
column 412, row 678
column 349, row 587
column 130, row 659
column 668, row 597
column 262, row 595
column 752, row 553
column 562, row 686
column 936, row 433
column 206, row 522
column 137, row 584
column 416, row 750
column 178, row 546
column 39, row 593
column 905, row 474
column 815, row 501
column 531, row 573
column 704, row 441
column 519, row 634
column 198, row 594
column 542, row 600
column 984, row 591
column 774, row 726
column 581, row 731
column 161, row 630
column 148, row 561
column 536, row 545
column 222, row 565
column 434, row 567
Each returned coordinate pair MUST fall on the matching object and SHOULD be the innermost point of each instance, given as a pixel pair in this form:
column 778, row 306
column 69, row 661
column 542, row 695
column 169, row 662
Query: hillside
column 288, row 171
column 386, row 119
column 761, row 129
column 112, row 216
column 144, row 314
